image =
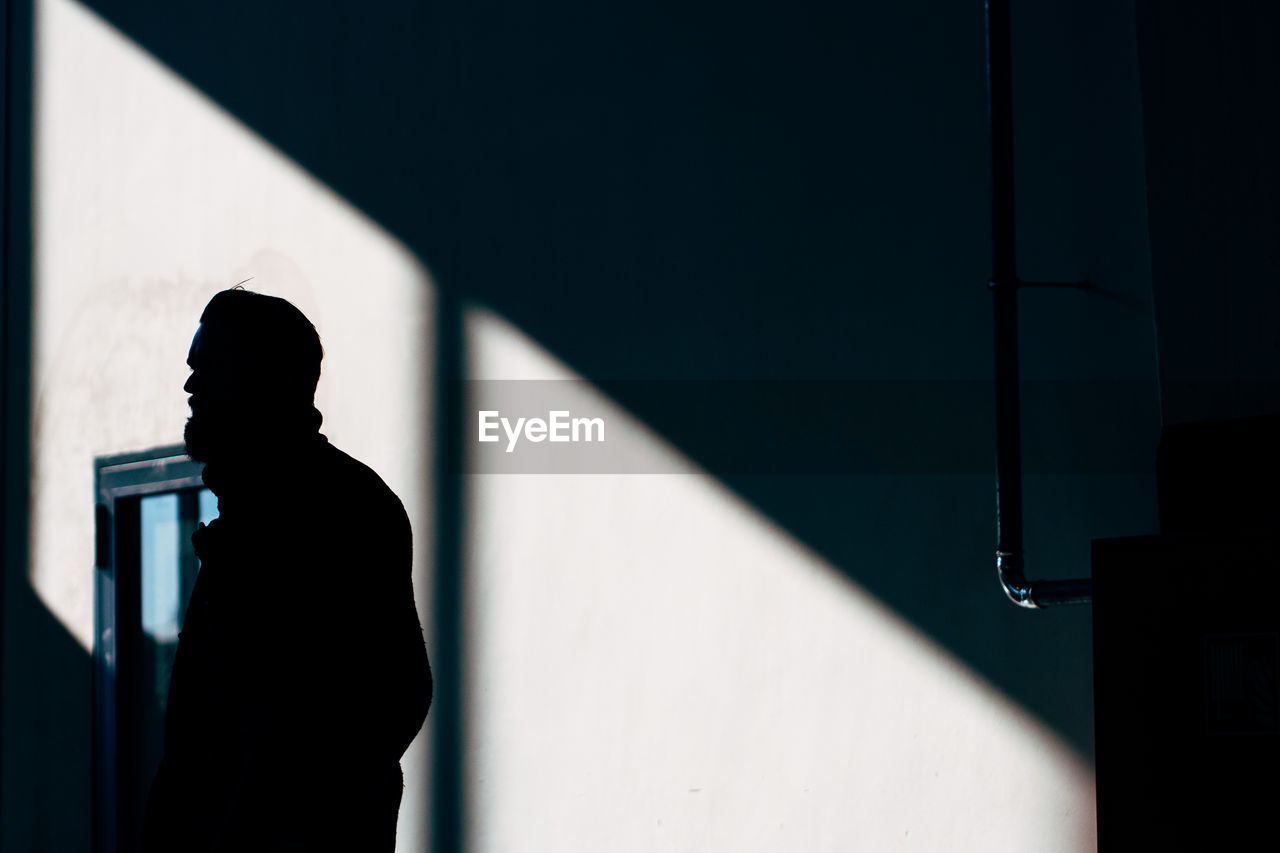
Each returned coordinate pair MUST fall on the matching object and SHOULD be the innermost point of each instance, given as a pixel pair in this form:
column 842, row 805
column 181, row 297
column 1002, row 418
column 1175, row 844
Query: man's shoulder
column 351, row 486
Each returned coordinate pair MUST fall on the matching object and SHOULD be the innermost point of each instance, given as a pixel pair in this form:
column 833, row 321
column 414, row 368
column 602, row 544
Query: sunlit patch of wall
column 654, row 665
column 148, row 199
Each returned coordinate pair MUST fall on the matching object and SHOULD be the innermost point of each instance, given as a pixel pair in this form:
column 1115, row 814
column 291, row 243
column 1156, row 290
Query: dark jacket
column 301, row 675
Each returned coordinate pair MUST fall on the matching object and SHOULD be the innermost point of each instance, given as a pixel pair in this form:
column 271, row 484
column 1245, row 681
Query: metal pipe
column 1004, row 288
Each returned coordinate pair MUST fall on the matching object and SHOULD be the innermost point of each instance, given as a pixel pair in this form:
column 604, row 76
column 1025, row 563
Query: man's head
column 255, row 361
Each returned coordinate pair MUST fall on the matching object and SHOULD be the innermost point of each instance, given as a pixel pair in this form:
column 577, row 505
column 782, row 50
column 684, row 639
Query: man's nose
column 190, row 387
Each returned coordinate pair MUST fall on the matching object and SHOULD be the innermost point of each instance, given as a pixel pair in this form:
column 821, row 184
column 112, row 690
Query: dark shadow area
column 23, row 618
column 1213, row 176
column 736, row 192
column 48, row 739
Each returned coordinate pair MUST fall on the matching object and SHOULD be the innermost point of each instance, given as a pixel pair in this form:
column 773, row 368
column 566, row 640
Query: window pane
column 161, row 568
column 164, row 549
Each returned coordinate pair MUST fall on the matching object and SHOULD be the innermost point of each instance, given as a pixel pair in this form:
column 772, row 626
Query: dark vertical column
column 1186, row 687
column 447, row 92
column 1210, row 77
column 448, row 801
column 15, row 351
column 4, row 361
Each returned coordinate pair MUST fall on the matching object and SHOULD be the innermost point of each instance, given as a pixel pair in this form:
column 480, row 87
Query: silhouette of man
column 300, row 676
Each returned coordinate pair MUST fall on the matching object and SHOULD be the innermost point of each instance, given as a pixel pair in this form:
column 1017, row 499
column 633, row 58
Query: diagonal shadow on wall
column 688, row 193
column 710, row 192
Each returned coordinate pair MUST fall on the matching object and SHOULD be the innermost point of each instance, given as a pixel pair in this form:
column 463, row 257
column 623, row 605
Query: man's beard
column 202, row 439
column 192, row 434
column 218, row 434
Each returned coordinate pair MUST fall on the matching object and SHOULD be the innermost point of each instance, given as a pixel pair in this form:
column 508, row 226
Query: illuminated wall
column 656, row 666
